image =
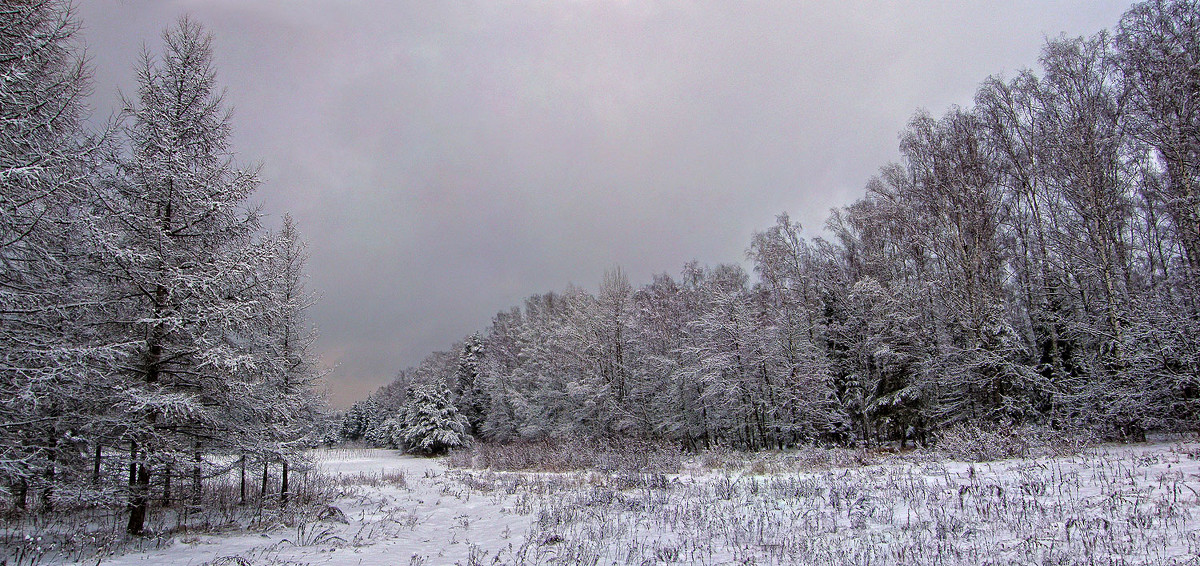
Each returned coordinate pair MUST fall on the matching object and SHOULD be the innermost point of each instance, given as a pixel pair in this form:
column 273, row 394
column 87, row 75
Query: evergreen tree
column 473, row 400
column 50, row 361
column 358, row 421
column 387, row 434
column 432, row 425
column 288, row 404
column 182, row 277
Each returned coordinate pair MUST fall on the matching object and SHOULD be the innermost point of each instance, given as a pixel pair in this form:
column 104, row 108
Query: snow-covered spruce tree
column 432, row 424
column 49, row 381
column 388, row 433
column 358, row 421
column 180, row 273
column 465, row 385
column 473, row 400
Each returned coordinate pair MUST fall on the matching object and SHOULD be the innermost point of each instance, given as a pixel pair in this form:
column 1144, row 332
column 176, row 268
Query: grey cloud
column 447, row 159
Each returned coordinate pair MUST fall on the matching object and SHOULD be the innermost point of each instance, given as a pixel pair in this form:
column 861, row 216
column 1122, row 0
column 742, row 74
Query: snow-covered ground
column 400, row 510
column 1113, row 505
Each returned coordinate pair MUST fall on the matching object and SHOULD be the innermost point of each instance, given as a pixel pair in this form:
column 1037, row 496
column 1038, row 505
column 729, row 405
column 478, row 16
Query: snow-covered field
column 1111, row 505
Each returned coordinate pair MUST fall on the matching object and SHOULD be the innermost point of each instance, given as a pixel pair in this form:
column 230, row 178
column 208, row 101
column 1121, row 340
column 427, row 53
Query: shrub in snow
column 979, row 442
column 432, row 424
column 971, row 442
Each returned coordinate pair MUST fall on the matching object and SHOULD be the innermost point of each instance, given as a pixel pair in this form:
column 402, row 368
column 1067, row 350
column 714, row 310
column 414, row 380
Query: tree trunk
column 48, row 490
column 243, row 478
column 283, row 489
column 20, row 488
column 166, row 496
column 197, row 494
column 139, row 487
column 266, row 468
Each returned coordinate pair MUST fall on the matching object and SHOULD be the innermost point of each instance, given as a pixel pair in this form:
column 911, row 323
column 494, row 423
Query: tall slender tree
column 178, row 263
column 48, row 359
column 1158, row 49
column 286, row 396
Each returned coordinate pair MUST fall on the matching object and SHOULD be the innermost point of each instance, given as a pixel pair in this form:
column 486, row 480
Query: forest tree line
column 1031, row 259
column 148, row 320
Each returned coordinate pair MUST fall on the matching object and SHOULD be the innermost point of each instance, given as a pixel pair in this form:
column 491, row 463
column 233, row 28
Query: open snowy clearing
column 1112, row 505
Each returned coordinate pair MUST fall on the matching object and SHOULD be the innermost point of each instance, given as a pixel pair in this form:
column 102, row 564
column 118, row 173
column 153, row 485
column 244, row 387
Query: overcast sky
column 445, row 160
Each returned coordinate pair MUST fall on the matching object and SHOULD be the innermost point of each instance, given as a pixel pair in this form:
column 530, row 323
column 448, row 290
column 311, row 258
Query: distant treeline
column 1032, row 259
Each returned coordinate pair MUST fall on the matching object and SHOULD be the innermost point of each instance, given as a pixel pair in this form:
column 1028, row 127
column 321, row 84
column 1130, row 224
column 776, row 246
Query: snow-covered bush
column 978, row 443
column 975, row 442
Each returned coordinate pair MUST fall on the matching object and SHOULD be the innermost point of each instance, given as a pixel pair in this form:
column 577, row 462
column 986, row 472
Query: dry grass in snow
column 1107, row 505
